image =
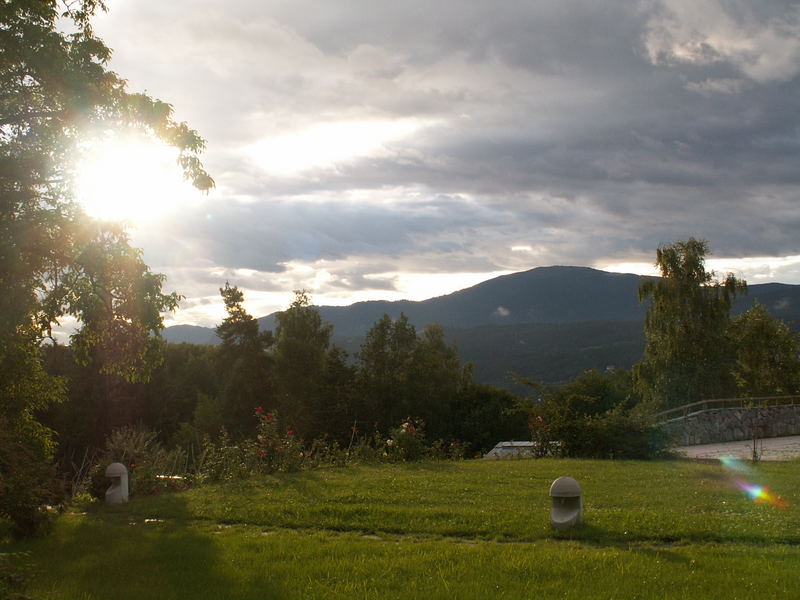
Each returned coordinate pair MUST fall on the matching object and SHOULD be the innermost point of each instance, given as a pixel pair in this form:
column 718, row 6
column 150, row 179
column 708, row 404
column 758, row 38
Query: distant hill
column 191, row 334
column 542, row 295
column 549, row 323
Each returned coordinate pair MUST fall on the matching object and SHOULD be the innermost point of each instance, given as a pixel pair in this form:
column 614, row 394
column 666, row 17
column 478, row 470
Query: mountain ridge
column 559, row 320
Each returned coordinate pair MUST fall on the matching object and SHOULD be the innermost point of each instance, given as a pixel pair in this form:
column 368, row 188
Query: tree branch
column 17, row 119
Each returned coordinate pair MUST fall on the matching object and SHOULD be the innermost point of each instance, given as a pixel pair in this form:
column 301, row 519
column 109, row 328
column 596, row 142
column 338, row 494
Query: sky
column 376, row 150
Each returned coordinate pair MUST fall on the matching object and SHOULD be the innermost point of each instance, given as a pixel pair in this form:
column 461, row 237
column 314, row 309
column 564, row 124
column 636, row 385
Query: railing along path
column 704, row 405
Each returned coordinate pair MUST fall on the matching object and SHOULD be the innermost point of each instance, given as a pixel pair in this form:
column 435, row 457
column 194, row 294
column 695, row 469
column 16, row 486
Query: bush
column 444, row 450
column 15, row 574
column 223, row 460
column 150, row 466
column 276, row 450
column 408, row 441
column 271, row 451
column 28, row 484
column 616, row 434
column 594, row 416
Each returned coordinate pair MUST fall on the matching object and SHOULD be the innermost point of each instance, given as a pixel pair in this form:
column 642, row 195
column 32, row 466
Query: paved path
column 782, row 448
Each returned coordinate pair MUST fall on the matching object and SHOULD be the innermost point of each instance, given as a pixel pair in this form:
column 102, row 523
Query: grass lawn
column 474, row 529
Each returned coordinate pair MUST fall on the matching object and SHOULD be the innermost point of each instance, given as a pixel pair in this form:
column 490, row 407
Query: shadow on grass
column 591, row 535
column 93, row 555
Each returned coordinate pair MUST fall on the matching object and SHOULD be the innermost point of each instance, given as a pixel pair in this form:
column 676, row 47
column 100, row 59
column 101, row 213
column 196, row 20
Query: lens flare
column 759, row 494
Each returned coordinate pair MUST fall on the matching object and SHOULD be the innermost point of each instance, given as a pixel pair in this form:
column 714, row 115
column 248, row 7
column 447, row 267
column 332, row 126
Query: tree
column 767, row 354
column 686, row 356
column 437, row 382
column 485, row 415
column 386, row 364
column 244, row 366
column 301, row 347
column 594, row 416
column 110, row 289
column 336, row 410
column 54, row 85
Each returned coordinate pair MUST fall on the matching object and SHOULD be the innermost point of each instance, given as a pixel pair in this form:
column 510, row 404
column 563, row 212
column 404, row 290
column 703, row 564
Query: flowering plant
column 407, row 441
column 276, row 449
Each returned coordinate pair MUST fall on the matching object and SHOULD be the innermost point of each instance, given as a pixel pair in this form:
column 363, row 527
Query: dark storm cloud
column 587, row 131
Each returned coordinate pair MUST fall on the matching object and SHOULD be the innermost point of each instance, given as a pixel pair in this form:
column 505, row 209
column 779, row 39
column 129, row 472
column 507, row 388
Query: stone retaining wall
column 733, row 424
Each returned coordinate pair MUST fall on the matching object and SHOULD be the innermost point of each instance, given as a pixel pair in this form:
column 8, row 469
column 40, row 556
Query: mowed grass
column 475, row 529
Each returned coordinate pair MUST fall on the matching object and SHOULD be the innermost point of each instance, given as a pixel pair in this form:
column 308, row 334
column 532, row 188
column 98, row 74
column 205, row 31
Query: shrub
column 367, row 448
column 408, row 441
column 276, row 450
column 272, row 450
column 444, row 450
column 150, row 466
column 28, row 483
column 594, row 416
column 15, row 573
column 223, row 460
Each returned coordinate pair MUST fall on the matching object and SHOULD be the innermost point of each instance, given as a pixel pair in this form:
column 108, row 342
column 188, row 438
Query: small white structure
column 118, row 492
column 512, row 450
column 567, row 508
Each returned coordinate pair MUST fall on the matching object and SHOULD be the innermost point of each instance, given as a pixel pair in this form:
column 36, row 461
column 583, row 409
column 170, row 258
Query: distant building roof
column 511, row 449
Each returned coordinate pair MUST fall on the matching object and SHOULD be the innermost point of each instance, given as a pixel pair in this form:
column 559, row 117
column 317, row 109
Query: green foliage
column 119, row 301
column 385, row 374
column 277, row 450
column 27, row 484
column 26, row 389
column 407, row 442
column 686, row 356
column 767, row 354
column 149, row 464
column 15, row 576
column 272, row 449
column 54, row 88
column 209, row 416
column 244, row 367
column 337, row 405
column 402, row 373
column 485, row 415
column 594, row 416
column 225, row 460
column 302, row 343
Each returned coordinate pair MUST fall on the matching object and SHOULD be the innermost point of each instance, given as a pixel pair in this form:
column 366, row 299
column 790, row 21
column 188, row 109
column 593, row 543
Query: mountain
column 542, row 295
column 190, row 334
column 549, row 323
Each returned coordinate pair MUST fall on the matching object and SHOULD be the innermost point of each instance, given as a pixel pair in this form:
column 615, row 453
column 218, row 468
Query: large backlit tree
column 687, row 357
column 54, row 86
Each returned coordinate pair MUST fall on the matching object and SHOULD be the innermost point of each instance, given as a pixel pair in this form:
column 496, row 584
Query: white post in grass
column 567, row 511
column 118, row 492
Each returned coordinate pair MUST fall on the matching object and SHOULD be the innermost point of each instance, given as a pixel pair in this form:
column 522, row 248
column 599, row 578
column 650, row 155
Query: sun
column 130, row 178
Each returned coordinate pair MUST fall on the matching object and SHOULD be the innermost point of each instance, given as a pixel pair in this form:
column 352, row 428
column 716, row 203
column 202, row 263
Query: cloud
column 763, row 45
column 501, row 312
column 355, row 144
column 708, row 87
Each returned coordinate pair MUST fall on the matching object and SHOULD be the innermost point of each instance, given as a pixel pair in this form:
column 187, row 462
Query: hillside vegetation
column 548, row 324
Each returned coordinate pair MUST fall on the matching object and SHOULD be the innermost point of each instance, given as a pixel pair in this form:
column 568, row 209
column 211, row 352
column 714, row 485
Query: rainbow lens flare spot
column 759, row 494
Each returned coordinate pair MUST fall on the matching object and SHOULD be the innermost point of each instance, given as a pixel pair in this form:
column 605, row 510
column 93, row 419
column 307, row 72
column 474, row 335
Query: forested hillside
column 549, row 324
